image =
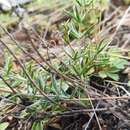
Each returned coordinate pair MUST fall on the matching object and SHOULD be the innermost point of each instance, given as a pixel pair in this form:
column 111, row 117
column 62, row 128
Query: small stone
column 6, row 5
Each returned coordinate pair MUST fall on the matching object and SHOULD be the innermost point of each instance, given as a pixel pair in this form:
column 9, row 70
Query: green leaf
column 64, row 87
column 76, row 70
column 76, row 14
column 23, row 114
column 119, row 63
column 102, row 74
column 79, row 3
column 4, row 125
column 8, row 65
column 74, row 32
column 40, row 81
column 128, row 83
column 113, row 76
column 37, row 126
column 54, row 86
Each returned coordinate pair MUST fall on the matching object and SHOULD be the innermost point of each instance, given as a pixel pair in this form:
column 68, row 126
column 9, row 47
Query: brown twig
column 11, row 88
column 70, row 113
column 99, row 98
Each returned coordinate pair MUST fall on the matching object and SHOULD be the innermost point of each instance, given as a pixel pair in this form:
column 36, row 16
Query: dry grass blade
column 119, row 25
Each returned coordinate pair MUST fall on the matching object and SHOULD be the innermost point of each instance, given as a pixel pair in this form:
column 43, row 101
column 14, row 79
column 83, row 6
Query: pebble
column 6, row 5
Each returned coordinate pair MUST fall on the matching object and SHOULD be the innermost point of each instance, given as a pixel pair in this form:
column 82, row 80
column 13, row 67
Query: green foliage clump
column 95, row 59
column 83, row 18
